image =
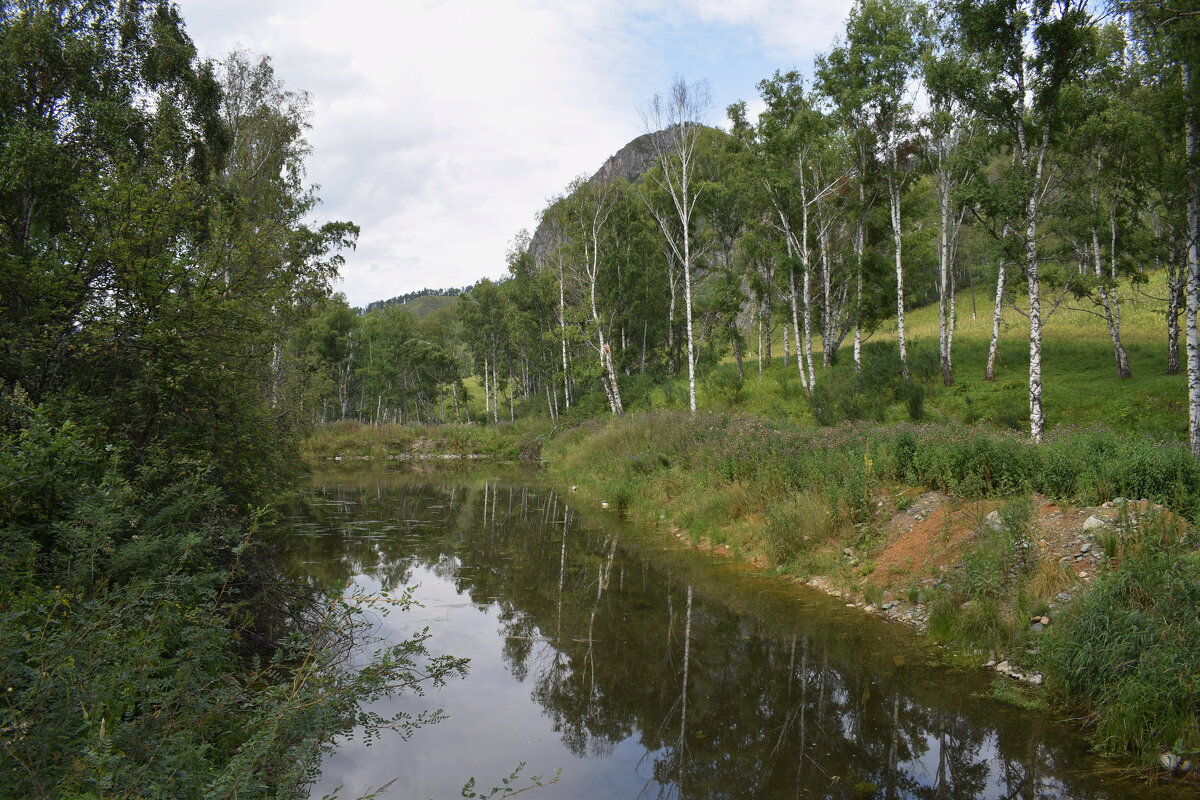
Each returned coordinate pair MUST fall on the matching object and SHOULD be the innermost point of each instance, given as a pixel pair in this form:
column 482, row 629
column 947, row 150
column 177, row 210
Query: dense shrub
column 847, row 394
column 136, row 653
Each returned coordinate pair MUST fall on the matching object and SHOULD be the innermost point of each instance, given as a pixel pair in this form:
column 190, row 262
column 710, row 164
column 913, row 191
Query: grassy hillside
column 1080, row 383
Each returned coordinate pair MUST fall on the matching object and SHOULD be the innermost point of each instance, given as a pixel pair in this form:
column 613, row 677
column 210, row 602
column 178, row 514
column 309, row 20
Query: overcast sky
column 442, row 126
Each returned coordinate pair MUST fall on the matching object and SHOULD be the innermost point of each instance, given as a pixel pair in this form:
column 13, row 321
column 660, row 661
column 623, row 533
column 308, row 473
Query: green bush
column 724, row 385
column 847, row 394
column 143, row 652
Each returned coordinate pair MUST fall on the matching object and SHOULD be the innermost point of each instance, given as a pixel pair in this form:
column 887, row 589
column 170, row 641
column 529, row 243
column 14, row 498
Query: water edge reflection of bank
column 644, row 669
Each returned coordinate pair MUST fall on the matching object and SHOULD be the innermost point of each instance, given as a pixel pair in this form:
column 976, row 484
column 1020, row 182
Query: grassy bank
column 816, row 503
column 352, row 440
column 1079, row 376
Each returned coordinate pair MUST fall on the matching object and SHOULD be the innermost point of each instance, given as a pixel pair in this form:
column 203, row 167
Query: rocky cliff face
column 629, row 163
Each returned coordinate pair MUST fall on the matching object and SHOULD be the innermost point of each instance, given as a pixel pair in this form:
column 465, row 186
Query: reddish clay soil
column 930, row 536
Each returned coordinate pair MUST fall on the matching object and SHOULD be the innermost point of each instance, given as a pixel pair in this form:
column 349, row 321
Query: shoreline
column 1003, row 559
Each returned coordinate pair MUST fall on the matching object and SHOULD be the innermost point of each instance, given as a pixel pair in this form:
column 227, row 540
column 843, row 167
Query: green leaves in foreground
column 149, row 645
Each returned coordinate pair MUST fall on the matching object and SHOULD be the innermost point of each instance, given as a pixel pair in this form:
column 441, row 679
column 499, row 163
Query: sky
column 442, row 127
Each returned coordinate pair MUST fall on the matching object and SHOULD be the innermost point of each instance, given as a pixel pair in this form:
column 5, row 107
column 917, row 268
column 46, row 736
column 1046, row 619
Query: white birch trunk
column 989, row 373
column 1108, row 299
column 795, row 300
column 859, row 247
column 495, row 392
column 562, row 326
column 830, row 308
column 944, row 294
column 1192, row 288
column 687, row 296
column 807, row 304
column 1037, row 419
column 608, row 373
column 897, row 240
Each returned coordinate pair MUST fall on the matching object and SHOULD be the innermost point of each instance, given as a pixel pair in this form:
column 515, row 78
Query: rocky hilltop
column 629, row 163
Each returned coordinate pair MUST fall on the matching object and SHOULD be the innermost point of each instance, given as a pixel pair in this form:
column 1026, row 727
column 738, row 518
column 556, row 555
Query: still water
column 643, row 669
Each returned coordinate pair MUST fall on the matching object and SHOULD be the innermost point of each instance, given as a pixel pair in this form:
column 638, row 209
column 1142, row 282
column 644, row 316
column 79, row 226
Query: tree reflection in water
column 705, row 680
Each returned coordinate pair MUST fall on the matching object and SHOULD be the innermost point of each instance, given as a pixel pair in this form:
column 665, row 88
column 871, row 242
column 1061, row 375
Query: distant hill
column 630, row 163
column 422, row 302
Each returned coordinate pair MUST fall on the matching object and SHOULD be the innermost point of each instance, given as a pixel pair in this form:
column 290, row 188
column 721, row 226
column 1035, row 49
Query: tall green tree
column 1025, row 53
column 872, row 72
column 952, row 138
column 1172, row 33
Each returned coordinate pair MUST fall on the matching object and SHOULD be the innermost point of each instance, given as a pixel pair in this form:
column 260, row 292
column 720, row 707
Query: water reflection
column 651, row 671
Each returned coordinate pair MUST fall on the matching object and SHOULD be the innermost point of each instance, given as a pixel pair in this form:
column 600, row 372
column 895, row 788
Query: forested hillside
column 1038, row 159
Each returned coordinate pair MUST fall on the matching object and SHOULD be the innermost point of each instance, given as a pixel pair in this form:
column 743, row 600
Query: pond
column 644, row 669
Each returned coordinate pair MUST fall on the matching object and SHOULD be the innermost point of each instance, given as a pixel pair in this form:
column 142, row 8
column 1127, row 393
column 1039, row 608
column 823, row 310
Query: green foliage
column 128, row 634
column 797, row 525
column 847, row 394
column 1127, row 649
column 724, row 385
column 156, row 257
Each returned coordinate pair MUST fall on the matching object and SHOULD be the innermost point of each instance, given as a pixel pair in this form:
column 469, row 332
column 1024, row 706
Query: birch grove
column 1054, row 157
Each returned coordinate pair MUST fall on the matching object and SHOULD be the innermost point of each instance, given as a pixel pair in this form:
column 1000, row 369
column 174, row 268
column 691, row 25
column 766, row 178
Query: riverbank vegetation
column 818, row 503
column 155, row 252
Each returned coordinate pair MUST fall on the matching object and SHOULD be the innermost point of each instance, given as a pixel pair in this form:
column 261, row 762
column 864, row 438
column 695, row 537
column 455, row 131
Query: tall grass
column 1129, row 650
column 984, row 606
column 845, row 463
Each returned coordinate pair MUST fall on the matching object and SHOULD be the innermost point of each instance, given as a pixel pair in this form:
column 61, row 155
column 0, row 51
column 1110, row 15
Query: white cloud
column 441, row 126
column 788, row 28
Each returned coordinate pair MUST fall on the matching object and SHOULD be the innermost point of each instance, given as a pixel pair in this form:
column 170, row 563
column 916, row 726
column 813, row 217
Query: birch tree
column 1107, row 183
column 872, row 72
column 675, row 123
column 1026, row 51
column 590, row 204
column 1175, row 33
column 950, row 130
